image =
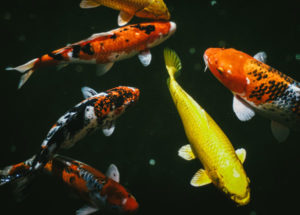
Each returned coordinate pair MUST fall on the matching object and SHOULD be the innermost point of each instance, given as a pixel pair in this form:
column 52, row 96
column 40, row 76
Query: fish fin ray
column 88, row 92
column 186, row 152
column 86, row 209
column 241, row 110
column 261, row 56
column 279, row 131
column 145, row 57
column 241, row 154
column 103, row 68
column 172, row 62
column 89, row 4
column 124, row 18
column 200, row 178
column 27, row 69
column 113, row 173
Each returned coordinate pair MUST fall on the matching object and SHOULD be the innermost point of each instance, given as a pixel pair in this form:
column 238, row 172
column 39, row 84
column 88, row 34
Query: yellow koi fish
column 151, row 9
column 222, row 165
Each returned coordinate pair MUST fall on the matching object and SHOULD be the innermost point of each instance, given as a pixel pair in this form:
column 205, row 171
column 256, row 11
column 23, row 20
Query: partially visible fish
column 257, row 87
column 101, row 192
column 104, row 49
column 97, row 111
column 152, row 9
column 208, row 143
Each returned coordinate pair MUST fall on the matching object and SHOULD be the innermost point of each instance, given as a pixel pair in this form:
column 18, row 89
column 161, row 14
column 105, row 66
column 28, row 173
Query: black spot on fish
column 127, row 40
column 88, row 49
column 148, row 28
column 56, row 56
column 76, row 51
column 114, row 36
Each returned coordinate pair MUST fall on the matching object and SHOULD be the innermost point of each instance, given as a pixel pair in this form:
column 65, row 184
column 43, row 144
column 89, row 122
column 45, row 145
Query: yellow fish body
column 222, row 165
column 152, row 9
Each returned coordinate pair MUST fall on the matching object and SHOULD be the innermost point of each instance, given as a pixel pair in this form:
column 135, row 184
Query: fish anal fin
column 85, row 210
column 241, row 154
column 200, row 178
column 103, row 68
column 186, row 152
column 280, row 132
column 241, row 110
column 108, row 128
column 89, row 4
column 124, row 18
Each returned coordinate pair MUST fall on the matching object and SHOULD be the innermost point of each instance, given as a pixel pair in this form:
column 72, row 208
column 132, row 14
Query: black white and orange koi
column 104, row 49
column 98, row 110
column 101, row 192
column 257, row 87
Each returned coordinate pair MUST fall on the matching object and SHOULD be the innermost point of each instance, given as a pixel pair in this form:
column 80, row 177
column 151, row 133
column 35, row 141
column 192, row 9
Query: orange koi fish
column 152, row 9
column 105, row 48
column 257, row 87
column 101, row 192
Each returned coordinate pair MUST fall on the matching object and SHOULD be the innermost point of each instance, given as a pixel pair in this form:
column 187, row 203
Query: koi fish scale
column 104, row 49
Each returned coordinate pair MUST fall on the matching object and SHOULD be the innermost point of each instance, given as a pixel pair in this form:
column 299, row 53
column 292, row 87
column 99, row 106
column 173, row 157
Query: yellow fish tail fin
column 172, row 62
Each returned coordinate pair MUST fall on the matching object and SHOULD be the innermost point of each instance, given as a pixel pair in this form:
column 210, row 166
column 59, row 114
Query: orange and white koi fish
column 106, row 48
column 97, row 111
column 101, row 192
column 152, row 9
column 257, row 87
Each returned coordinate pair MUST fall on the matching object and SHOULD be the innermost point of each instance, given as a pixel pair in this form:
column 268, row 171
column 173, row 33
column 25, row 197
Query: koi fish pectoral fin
column 85, row 210
column 200, row 178
column 113, row 173
column 241, row 110
column 103, row 68
column 186, row 152
column 89, row 4
column 124, row 18
column 145, row 57
column 241, row 154
column 88, row 92
column 108, row 127
column 261, row 56
column 280, row 132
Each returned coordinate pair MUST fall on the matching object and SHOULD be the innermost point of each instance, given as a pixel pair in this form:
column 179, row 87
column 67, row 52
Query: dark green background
column 152, row 129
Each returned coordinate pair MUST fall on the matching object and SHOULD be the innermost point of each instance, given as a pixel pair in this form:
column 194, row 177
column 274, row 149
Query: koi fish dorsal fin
column 186, row 152
column 200, row 178
column 243, row 112
column 124, row 18
column 104, row 34
column 113, row 173
column 89, row 4
column 280, row 132
column 85, row 210
column 88, row 92
column 241, row 154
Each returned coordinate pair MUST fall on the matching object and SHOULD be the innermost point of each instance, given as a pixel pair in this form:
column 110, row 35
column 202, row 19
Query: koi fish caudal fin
column 27, row 69
column 173, row 63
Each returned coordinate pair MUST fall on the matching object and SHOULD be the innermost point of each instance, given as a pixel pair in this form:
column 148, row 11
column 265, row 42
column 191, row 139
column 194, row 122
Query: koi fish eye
column 220, row 70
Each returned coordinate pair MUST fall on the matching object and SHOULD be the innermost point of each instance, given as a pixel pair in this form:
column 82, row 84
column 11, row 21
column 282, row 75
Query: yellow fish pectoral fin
column 124, row 18
column 89, row 4
column 186, row 152
column 241, row 153
column 200, row 178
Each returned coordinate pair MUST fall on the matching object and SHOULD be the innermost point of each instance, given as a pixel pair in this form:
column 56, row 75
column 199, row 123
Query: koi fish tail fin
column 89, row 4
column 27, row 69
column 16, row 173
column 172, row 62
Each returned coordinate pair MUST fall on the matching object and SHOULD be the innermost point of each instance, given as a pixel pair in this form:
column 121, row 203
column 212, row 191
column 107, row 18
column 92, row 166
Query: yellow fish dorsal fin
column 172, row 62
column 241, row 153
column 186, row 152
column 200, row 178
column 89, row 4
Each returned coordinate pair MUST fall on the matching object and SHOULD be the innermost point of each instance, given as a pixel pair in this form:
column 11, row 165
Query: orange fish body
column 101, row 192
column 105, row 48
column 152, row 9
column 257, row 87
